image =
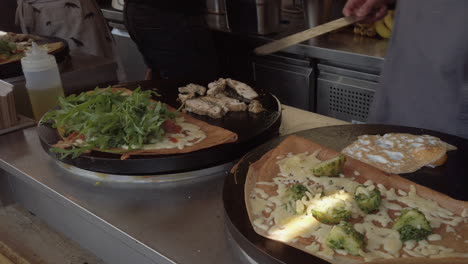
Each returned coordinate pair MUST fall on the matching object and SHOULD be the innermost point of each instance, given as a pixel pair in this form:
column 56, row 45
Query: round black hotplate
column 252, row 130
column 449, row 179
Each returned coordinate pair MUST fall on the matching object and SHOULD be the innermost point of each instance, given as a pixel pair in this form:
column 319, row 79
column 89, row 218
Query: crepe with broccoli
column 120, row 121
column 355, row 214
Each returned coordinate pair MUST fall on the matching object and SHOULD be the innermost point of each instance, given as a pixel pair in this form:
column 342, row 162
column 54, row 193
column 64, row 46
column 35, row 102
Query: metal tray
column 448, row 178
column 252, row 130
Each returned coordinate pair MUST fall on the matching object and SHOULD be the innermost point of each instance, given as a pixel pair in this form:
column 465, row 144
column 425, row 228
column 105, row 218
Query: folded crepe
column 214, row 136
column 399, row 152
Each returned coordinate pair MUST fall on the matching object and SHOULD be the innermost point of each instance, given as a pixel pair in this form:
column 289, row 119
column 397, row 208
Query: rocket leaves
column 109, row 120
column 7, row 48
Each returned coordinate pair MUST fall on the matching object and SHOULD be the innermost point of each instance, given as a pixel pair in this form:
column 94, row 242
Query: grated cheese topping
column 382, row 241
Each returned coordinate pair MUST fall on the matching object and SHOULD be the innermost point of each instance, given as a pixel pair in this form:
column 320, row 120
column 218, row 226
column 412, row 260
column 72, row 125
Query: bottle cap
column 37, row 59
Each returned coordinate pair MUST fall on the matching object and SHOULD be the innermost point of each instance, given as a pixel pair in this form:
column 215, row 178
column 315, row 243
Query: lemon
column 382, row 30
column 388, row 19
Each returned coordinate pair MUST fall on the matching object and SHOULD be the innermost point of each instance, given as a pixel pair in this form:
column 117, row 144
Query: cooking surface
column 252, row 130
column 440, row 178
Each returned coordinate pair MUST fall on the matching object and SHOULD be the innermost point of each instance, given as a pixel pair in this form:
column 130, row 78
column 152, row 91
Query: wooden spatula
column 288, row 41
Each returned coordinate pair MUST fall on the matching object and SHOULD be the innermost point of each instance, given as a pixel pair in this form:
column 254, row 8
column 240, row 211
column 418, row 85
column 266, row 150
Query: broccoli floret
column 292, row 194
column 367, row 199
column 344, row 236
column 297, row 191
column 330, row 210
column 332, row 217
column 412, row 225
column 331, row 168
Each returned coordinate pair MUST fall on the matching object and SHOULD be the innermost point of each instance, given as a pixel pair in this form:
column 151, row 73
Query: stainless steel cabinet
column 290, row 79
column 345, row 94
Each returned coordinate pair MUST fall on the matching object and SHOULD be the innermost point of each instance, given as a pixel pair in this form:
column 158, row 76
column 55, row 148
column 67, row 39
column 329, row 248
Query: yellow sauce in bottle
column 43, row 100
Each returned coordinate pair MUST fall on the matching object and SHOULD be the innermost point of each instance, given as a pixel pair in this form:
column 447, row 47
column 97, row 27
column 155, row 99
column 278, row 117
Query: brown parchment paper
column 265, row 169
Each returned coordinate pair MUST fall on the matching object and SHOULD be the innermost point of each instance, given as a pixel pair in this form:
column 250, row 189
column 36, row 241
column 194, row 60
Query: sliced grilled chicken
column 192, row 88
column 256, row 107
column 215, row 101
column 216, row 87
column 185, row 97
column 226, row 103
column 231, row 103
column 201, row 107
column 242, row 89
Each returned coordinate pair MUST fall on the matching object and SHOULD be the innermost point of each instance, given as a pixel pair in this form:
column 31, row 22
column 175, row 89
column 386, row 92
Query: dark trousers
column 174, row 42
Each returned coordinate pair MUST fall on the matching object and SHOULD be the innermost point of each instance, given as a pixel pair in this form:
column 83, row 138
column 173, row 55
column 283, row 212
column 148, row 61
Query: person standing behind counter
column 79, row 22
column 424, row 80
column 173, row 38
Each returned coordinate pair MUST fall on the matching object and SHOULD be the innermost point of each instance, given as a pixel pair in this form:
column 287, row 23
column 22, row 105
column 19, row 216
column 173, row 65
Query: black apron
column 424, row 81
column 173, row 38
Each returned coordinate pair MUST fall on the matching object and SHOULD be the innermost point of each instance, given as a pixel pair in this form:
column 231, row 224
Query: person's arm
column 371, row 10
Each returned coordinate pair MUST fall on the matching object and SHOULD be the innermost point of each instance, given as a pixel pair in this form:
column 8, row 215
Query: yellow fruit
column 382, row 30
column 357, row 30
column 388, row 19
column 371, row 32
column 364, row 29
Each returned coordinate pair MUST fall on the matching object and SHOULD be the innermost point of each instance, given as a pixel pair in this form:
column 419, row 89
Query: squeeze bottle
column 42, row 80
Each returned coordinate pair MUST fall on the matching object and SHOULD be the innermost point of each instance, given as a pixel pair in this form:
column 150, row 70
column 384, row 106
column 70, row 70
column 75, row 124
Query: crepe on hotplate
column 13, row 46
column 190, row 134
column 399, row 152
column 267, row 185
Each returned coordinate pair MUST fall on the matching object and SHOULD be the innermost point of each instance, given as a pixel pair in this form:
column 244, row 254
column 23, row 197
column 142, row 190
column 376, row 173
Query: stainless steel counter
column 180, row 223
column 342, row 46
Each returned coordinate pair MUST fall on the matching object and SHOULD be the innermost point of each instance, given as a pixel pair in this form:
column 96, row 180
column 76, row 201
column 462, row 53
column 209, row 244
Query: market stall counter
column 131, row 222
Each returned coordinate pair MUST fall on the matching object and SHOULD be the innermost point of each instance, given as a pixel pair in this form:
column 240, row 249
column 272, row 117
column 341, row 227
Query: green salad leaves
column 7, row 48
column 106, row 119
